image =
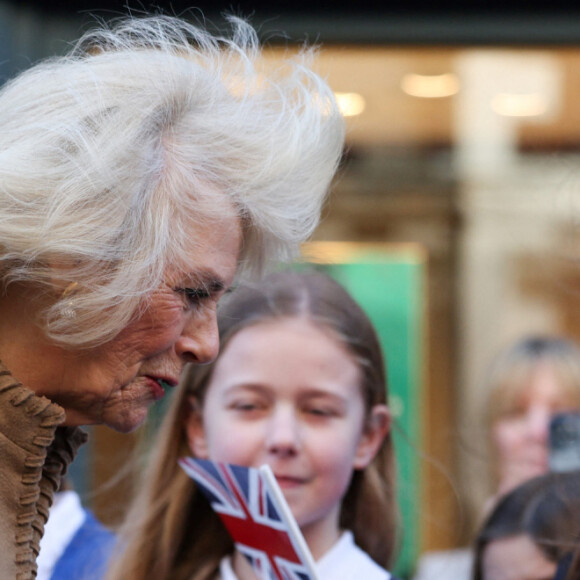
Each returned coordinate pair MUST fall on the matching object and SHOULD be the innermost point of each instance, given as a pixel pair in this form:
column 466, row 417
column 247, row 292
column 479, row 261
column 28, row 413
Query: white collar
column 346, row 540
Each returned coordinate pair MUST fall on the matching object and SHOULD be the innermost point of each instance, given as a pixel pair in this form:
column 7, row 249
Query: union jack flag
column 257, row 517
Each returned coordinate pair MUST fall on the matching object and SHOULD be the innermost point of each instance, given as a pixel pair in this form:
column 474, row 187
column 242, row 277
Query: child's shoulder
column 346, row 561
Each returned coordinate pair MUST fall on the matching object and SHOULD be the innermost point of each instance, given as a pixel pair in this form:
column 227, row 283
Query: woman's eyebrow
column 209, row 280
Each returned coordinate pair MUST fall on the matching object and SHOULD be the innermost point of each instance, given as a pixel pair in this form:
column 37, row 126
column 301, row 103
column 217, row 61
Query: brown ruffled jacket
column 35, row 452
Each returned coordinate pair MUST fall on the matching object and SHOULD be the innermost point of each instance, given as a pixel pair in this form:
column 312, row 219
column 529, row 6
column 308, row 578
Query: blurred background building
column 463, row 137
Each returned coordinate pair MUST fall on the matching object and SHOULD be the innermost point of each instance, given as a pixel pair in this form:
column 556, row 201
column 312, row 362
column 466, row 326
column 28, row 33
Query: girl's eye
column 247, row 406
column 194, row 295
column 320, row 412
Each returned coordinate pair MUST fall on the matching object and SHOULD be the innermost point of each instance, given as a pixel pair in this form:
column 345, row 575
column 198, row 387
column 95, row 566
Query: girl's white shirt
column 344, row 561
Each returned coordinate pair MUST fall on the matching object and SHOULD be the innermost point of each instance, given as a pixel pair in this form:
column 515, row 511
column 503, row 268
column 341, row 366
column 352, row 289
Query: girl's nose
column 283, row 436
column 199, row 339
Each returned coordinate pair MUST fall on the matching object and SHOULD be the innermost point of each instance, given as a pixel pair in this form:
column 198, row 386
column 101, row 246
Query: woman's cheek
column 505, row 436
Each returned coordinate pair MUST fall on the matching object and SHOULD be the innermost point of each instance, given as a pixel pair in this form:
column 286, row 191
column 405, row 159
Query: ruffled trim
column 49, row 450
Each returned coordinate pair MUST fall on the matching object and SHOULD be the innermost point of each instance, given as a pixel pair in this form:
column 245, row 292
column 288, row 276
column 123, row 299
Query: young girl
column 299, row 385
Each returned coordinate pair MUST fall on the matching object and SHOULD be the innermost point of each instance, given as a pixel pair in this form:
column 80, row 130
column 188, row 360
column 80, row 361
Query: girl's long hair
column 171, row 533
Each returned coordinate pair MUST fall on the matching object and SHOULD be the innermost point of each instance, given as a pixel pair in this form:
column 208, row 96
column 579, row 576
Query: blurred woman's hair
column 511, row 371
column 171, row 532
column 113, row 155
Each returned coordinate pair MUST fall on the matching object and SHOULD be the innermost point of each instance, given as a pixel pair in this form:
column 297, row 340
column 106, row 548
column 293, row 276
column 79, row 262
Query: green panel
column 389, row 287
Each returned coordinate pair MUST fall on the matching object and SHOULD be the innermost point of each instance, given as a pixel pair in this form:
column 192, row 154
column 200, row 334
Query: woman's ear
column 376, row 429
column 194, row 429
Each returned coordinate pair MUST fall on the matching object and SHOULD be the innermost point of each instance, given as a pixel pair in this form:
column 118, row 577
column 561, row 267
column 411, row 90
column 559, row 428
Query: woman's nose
column 538, row 421
column 283, row 437
column 199, row 339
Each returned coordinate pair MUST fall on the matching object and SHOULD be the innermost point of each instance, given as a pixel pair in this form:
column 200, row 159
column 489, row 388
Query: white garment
column 446, row 564
column 344, row 561
column 66, row 516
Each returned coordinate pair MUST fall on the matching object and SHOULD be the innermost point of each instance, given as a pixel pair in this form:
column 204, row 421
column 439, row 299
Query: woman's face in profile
column 115, row 384
column 520, row 437
column 516, row 558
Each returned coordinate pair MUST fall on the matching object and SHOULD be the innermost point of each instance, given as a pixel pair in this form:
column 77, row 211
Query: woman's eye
column 194, row 295
column 518, row 413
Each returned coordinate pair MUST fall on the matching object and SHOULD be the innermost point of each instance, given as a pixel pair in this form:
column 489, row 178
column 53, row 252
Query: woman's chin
column 125, row 423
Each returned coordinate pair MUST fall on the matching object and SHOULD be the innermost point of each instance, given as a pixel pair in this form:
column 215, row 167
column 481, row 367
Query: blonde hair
column 511, row 371
column 108, row 152
column 171, row 532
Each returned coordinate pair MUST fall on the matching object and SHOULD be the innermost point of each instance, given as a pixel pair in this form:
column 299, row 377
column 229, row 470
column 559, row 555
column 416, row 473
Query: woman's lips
column 158, row 386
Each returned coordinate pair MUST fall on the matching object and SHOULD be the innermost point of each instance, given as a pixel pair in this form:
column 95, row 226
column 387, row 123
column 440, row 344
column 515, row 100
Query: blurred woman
column 139, row 175
column 529, row 382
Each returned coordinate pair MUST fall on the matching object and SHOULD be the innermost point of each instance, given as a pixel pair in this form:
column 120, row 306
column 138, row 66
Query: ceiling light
column 430, row 86
column 519, row 105
column 350, row 104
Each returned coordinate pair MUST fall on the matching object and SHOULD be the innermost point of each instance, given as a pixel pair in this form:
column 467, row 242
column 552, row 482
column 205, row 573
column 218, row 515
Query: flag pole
column 295, row 532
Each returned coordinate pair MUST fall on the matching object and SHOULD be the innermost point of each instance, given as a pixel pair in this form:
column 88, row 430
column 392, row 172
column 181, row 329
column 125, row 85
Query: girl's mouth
column 286, row 482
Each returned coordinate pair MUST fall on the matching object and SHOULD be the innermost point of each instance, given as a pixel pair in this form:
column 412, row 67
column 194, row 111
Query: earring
column 68, row 308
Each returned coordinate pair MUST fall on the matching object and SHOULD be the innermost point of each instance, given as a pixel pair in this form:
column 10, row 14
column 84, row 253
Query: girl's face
column 287, row 393
column 516, row 558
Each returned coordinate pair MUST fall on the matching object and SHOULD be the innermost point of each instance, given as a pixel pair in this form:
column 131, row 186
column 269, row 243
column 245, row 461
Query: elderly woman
column 138, row 176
